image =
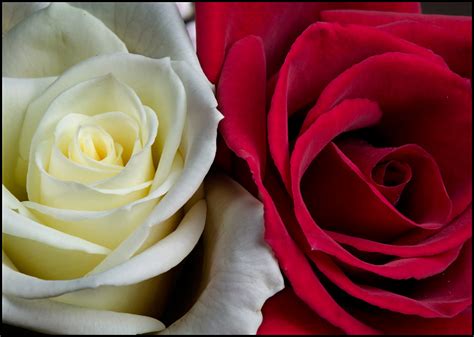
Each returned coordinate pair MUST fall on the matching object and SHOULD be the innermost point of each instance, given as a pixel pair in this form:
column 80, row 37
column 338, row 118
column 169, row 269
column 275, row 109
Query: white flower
column 108, row 130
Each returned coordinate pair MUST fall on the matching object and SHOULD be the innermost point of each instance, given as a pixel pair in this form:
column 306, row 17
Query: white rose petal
column 57, row 318
column 151, row 29
column 14, row 12
column 240, row 271
column 16, row 95
column 50, row 41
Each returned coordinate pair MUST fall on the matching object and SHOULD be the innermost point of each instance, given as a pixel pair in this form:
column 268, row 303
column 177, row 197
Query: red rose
column 356, row 128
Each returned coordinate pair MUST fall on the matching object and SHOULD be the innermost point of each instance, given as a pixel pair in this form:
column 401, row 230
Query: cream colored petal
column 153, row 82
column 53, row 39
column 241, row 272
column 158, row 259
column 14, row 12
column 198, row 146
column 52, row 317
column 151, row 29
column 16, row 95
column 52, row 192
column 20, row 225
column 147, row 298
column 42, row 251
column 108, row 228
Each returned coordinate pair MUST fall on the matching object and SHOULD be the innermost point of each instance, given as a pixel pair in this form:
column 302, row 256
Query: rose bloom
column 108, row 130
column 359, row 146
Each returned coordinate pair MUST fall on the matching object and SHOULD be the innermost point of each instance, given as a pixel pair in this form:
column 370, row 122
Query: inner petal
column 97, row 144
column 407, row 176
column 391, row 177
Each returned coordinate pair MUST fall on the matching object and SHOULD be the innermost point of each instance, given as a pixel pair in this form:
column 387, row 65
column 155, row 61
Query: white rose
column 108, row 130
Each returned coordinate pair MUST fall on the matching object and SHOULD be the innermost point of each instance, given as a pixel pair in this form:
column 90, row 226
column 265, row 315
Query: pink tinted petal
column 320, row 54
column 220, row 25
column 451, row 236
column 286, row 314
column 422, row 103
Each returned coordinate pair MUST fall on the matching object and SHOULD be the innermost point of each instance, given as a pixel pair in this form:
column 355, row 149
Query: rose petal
column 148, row 81
column 319, row 54
column 52, row 317
column 55, row 38
column 240, row 273
column 426, row 307
column 16, row 95
column 197, row 145
column 159, row 258
column 285, row 314
column 22, row 226
column 151, row 29
column 292, row 260
column 110, row 227
column 451, row 236
column 448, row 36
column 415, row 110
column 220, row 25
column 14, row 12
column 426, row 182
column 243, row 86
column 370, row 18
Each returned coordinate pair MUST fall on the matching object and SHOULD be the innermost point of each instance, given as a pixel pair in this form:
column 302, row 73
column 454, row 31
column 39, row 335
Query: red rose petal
column 423, row 104
column 286, row 314
column 341, row 198
column 350, row 114
column 454, row 47
column 220, row 25
column 243, row 85
column 425, row 198
column 370, row 18
column 319, row 55
column 432, row 303
column 451, row 236
column 397, row 324
column 448, row 36
column 292, row 260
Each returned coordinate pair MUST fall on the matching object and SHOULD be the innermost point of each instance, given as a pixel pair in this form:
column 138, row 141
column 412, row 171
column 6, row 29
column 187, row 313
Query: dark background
column 450, row 8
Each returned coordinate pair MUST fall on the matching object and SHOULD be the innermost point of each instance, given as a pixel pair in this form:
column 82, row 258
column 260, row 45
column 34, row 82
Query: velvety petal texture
column 367, row 182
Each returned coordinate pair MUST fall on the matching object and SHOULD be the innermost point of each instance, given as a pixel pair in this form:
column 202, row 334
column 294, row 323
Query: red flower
column 356, row 128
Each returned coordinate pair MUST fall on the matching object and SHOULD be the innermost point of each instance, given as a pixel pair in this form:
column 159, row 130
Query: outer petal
column 286, row 314
column 53, row 317
column 292, row 260
column 166, row 254
column 14, row 12
column 53, row 39
column 219, row 25
column 16, row 95
column 150, row 29
column 240, row 273
column 448, row 36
